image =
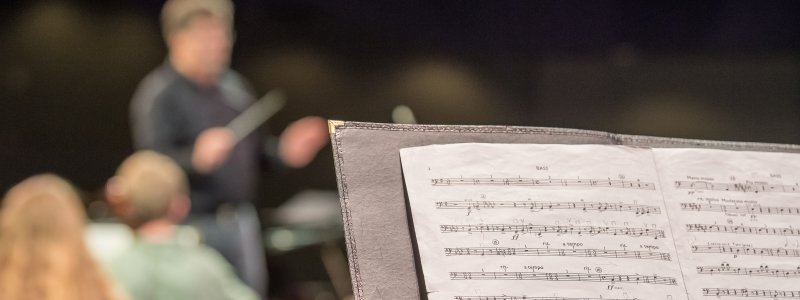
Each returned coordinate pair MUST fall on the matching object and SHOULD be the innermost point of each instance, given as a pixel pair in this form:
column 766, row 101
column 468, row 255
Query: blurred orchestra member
column 181, row 108
column 150, row 193
column 43, row 255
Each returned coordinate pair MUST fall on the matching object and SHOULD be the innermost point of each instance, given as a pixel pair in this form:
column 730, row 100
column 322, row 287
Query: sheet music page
column 736, row 220
column 555, row 222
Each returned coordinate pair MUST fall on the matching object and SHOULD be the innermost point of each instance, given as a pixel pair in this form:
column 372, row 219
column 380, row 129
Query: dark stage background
column 696, row 69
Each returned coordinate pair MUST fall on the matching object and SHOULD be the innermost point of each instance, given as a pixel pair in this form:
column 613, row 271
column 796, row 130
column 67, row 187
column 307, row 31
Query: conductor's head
column 199, row 35
column 149, row 188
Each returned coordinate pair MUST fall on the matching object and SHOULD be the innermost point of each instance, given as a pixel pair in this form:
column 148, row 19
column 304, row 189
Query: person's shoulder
column 209, row 257
column 187, row 240
column 205, row 262
column 127, row 264
column 156, row 83
column 159, row 78
column 157, row 87
column 220, row 274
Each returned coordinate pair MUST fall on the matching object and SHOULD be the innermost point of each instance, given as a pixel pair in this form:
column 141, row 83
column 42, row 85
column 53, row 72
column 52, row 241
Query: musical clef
column 545, row 182
column 744, row 209
column 736, row 187
column 734, row 229
column 550, row 205
column 571, row 252
column 549, row 276
column 763, row 271
column 743, row 250
column 506, row 297
column 539, row 230
column 750, row 293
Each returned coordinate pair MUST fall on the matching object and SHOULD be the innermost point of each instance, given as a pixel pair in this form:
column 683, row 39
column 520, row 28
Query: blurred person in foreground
column 180, row 109
column 150, row 193
column 42, row 251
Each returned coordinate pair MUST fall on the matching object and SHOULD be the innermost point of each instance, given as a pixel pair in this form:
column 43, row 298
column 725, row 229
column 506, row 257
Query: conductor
column 181, row 108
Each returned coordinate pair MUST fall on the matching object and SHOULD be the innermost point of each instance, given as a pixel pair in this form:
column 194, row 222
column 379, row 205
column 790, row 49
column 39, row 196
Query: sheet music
column 547, row 222
column 735, row 217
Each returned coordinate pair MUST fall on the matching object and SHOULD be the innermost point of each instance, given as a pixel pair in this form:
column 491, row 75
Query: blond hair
column 42, row 250
column 145, row 184
column 178, row 14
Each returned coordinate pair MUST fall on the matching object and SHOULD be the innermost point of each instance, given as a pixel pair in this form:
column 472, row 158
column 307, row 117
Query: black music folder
column 386, row 261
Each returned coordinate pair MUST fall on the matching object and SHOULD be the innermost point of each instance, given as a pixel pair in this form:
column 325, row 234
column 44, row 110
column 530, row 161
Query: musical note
column 744, row 209
column 750, row 293
column 501, row 251
column 617, row 278
column 726, row 269
column 586, row 226
column 742, row 250
column 736, row 187
column 786, row 231
column 540, row 230
column 544, row 182
column 542, row 205
column 504, row 297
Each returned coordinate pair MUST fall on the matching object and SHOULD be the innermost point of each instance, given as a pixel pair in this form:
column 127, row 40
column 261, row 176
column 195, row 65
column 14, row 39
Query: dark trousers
column 236, row 233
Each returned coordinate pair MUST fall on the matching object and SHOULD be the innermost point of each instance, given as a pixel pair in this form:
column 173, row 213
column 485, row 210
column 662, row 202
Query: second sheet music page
column 497, row 221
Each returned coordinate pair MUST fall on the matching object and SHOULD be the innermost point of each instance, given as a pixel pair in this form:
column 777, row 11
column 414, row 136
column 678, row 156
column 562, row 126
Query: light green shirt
column 176, row 270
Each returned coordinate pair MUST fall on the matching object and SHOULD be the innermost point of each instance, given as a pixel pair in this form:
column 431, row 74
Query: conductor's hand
column 211, row 149
column 301, row 141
